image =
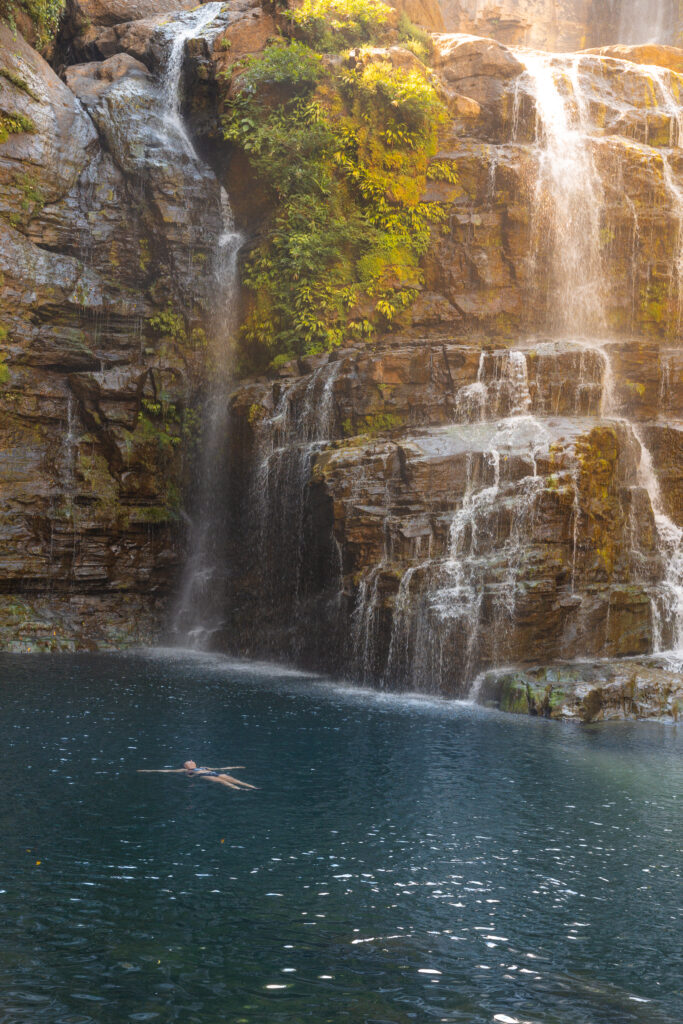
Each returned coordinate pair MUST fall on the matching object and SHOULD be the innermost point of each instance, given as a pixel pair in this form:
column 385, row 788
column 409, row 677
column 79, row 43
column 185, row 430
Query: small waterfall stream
column 180, row 31
column 568, row 196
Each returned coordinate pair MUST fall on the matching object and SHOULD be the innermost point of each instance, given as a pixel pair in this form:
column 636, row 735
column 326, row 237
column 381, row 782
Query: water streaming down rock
column 200, row 608
column 568, row 199
column 488, row 501
column 293, row 549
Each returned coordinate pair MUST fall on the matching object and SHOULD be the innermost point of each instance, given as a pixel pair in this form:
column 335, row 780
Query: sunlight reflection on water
column 404, row 859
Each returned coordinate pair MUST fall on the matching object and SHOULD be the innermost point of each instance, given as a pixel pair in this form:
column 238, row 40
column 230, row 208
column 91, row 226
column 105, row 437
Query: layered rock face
column 498, row 483
column 107, row 238
column 495, row 482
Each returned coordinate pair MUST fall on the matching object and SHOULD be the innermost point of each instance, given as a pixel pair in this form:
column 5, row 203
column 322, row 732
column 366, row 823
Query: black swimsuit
column 204, row 771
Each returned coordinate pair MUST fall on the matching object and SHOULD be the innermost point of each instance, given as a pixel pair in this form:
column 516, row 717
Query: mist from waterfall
column 647, row 21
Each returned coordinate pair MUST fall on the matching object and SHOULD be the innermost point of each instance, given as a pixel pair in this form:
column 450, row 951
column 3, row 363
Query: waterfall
column 181, row 30
column 454, row 614
column 303, row 420
column 200, row 607
column 568, row 196
column 498, row 504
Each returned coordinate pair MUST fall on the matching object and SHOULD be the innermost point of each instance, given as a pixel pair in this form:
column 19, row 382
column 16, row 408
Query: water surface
column 403, row 860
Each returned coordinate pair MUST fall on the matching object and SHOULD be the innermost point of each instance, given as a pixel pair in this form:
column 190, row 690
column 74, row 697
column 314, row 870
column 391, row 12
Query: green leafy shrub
column 333, row 25
column 295, row 65
column 344, row 161
column 406, row 98
column 439, row 170
column 170, row 324
column 414, row 38
column 45, row 15
column 13, row 124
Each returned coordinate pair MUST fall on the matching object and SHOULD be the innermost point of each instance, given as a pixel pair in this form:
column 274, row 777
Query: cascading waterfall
column 180, row 32
column 303, row 420
column 512, row 511
column 440, row 611
column 570, row 185
column 199, row 611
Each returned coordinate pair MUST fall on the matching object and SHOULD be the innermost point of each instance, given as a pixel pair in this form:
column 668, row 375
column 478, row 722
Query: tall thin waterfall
column 199, row 609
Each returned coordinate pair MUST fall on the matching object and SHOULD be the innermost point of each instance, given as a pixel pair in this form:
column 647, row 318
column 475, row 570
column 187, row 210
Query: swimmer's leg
column 221, row 780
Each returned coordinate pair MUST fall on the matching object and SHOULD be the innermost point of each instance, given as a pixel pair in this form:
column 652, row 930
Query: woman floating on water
column 212, row 774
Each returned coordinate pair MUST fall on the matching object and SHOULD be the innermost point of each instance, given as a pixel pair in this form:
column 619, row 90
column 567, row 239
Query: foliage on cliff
column 342, row 147
column 44, row 14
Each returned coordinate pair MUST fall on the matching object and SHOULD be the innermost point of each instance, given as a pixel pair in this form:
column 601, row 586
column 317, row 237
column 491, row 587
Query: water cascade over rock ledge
column 478, row 500
column 495, row 485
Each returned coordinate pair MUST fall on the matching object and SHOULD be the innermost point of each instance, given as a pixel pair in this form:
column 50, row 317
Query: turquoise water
column 403, row 859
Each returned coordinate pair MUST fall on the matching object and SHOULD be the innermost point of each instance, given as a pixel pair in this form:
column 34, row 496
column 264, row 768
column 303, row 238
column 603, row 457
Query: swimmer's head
column 190, row 765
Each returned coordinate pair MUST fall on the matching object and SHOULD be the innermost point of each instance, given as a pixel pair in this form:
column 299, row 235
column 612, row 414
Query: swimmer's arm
column 163, row 771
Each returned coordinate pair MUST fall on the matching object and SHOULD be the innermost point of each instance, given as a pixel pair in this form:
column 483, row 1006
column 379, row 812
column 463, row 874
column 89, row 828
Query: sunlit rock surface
column 497, row 482
column 91, row 248
column 422, row 553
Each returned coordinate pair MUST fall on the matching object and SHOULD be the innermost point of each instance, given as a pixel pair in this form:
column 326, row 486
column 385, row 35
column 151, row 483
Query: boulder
column 479, row 69
column 115, row 12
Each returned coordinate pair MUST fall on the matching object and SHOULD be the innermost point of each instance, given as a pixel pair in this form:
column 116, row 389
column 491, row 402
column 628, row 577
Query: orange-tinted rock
column 651, row 54
column 432, row 553
column 425, row 13
column 115, row 12
column 247, row 35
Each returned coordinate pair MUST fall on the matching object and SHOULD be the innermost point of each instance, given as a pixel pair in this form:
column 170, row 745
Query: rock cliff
column 493, row 482
column 493, row 479
column 101, row 327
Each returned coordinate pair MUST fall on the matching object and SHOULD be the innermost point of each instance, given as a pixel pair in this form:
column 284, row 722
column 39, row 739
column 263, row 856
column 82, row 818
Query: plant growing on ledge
column 44, row 14
column 343, row 151
column 333, row 25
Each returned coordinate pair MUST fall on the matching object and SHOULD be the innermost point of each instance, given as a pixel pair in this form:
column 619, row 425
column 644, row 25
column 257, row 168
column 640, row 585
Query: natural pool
column 403, row 860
